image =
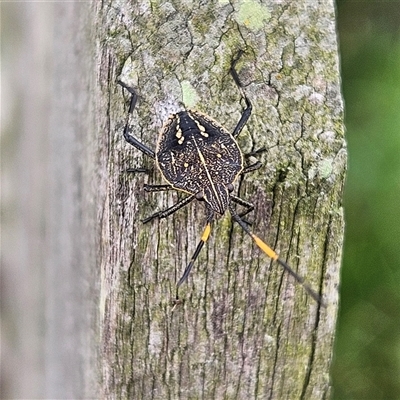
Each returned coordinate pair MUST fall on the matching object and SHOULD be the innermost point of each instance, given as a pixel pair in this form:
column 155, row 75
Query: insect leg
column 166, row 213
column 251, row 168
column 247, row 111
column 138, row 170
column 271, row 254
column 128, row 137
column 256, row 165
column 249, row 207
column 158, row 188
column 255, row 153
column 203, row 240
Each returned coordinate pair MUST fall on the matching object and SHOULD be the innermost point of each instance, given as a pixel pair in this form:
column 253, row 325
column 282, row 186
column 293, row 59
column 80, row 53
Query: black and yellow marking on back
column 197, row 155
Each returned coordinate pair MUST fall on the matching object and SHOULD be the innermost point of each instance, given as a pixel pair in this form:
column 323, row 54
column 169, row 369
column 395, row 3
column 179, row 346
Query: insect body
column 196, row 155
column 200, row 157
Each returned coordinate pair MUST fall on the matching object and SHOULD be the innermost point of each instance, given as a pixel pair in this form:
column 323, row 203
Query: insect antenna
column 274, row 256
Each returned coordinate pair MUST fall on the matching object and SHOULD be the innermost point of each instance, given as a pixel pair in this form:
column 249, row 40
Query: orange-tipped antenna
column 274, row 256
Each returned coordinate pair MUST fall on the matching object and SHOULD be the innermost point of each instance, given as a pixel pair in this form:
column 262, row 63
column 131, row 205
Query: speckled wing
column 194, row 151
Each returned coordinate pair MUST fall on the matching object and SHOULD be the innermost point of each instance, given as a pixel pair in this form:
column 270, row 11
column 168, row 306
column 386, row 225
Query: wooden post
column 245, row 329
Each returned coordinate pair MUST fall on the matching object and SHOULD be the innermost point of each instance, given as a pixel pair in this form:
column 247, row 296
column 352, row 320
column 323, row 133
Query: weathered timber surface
column 245, row 330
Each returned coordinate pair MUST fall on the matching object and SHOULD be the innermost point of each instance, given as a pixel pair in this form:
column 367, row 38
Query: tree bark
column 245, row 330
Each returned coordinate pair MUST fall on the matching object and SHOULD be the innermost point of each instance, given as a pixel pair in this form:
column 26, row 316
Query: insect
column 198, row 156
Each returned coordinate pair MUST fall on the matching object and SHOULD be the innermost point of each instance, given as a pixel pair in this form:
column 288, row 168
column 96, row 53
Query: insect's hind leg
column 128, row 137
column 203, row 240
column 247, row 111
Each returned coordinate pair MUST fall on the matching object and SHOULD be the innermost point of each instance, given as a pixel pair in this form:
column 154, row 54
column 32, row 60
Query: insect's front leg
column 127, row 135
column 247, row 111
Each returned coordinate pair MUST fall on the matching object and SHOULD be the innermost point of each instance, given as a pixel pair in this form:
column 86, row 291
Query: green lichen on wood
column 252, row 14
column 190, row 98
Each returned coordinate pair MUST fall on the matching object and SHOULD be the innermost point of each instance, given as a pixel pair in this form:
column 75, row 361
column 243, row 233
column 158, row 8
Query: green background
column 367, row 353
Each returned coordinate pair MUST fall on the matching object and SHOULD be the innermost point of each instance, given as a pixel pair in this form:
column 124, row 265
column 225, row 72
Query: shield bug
column 198, row 156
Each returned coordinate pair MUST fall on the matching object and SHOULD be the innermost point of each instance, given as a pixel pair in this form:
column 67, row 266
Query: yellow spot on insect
column 185, row 164
column 181, row 140
column 202, row 129
column 219, row 155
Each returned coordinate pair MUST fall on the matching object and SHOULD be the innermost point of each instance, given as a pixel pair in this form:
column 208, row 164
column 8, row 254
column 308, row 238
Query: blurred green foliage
column 367, row 353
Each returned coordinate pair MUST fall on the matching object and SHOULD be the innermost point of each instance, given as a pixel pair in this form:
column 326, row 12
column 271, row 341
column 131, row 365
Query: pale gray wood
column 50, row 274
